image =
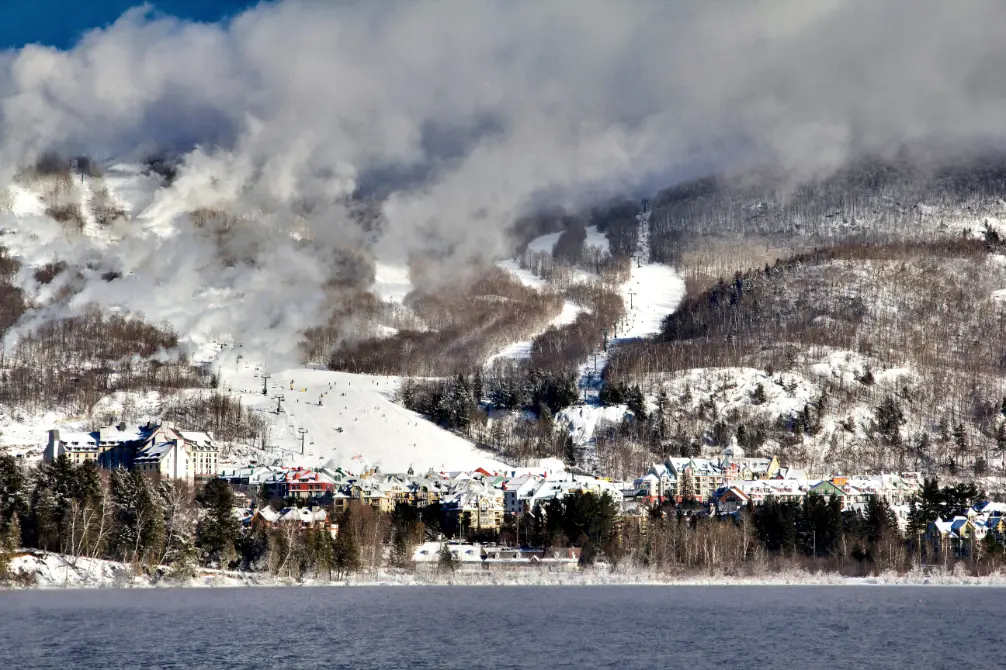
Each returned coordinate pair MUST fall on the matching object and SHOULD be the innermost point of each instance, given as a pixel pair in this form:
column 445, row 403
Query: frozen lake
column 505, row 627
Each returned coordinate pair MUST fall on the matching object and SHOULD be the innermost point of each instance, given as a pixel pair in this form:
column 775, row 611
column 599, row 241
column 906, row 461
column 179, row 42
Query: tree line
column 482, row 406
column 459, row 329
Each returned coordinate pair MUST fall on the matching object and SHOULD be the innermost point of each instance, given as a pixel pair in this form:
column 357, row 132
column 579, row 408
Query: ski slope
column 652, row 292
column 345, row 420
column 342, row 420
column 546, row 243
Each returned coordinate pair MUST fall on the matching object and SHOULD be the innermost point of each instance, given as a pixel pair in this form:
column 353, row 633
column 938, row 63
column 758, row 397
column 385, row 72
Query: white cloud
column 459, row 113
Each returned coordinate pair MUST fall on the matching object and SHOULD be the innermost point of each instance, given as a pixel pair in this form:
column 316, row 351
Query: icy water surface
column 505, row 627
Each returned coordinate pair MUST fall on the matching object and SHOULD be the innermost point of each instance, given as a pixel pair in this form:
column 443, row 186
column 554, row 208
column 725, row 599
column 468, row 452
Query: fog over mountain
column 459, row 116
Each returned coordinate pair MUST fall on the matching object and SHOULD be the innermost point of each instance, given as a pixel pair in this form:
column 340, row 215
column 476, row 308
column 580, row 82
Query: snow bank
column 47, row 571
column 582, row 420
column 55, row 571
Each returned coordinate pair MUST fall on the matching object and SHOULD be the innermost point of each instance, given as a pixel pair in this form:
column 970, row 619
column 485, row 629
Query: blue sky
column 60, row 22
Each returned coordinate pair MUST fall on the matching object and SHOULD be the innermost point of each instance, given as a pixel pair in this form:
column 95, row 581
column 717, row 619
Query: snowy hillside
column 651, row 292
column 357, row 426
column 345, row 420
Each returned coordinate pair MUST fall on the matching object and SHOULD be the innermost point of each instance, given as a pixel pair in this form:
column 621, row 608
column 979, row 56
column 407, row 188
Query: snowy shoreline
column 48, row 572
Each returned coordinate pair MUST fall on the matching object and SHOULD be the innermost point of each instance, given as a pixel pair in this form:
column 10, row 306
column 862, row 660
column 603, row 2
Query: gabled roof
column 154, row 452
column 198, row 438
column 827, row 488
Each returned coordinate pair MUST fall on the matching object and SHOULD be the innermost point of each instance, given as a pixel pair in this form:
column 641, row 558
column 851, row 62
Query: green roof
column 827, row 488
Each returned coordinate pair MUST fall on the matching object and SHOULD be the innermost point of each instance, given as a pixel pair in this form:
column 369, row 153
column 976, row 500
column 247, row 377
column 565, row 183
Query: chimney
column 52, row 450
column 122, row 426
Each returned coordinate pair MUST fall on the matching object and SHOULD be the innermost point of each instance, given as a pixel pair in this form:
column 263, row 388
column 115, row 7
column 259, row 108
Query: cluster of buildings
column 478, row 500
column 151, row 448
column 974, row 526
column 474, row 500
column 731, row 482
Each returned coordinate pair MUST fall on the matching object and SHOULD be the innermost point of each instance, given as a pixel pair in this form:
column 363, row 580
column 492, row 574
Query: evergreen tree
column 347, row 548
column 820, row 528
column 880, row 522
column 687, row 487
column 10, row 540
column 568, row 450
column 446, row 560
column 478, row 388
column 960, row 441
column 218, row 530
column 13, row 489
column 775, row 522
column 44, row 518
column 611, row 394
column 959, row 499
column 404, row 524
column 636, row 402
column 320, row 551
column 889, row 418
column 926, row 507
column 254, row 545
column 400, row 550
column 432, row 519
column 1000, row 438
column 555, row 523
column 139, row 533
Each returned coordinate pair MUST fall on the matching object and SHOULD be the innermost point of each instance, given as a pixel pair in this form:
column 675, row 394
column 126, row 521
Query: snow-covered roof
column 429, row 552
column 117, row 435
column 303, row 514
column 989, row 507
column 198, row 438
column 78, row 438
column 154, row 452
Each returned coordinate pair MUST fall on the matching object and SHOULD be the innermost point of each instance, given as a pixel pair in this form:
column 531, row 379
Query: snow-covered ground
column 546, row 243
column 597, row 239
column 44, row 570
column 356, row 423
column 652, row 292
column 543, row 244
column 522, row 348
column 392, row 282
column 345, row 420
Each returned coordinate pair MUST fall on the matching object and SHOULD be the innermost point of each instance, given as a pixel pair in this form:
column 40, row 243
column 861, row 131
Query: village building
column 150, row 448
